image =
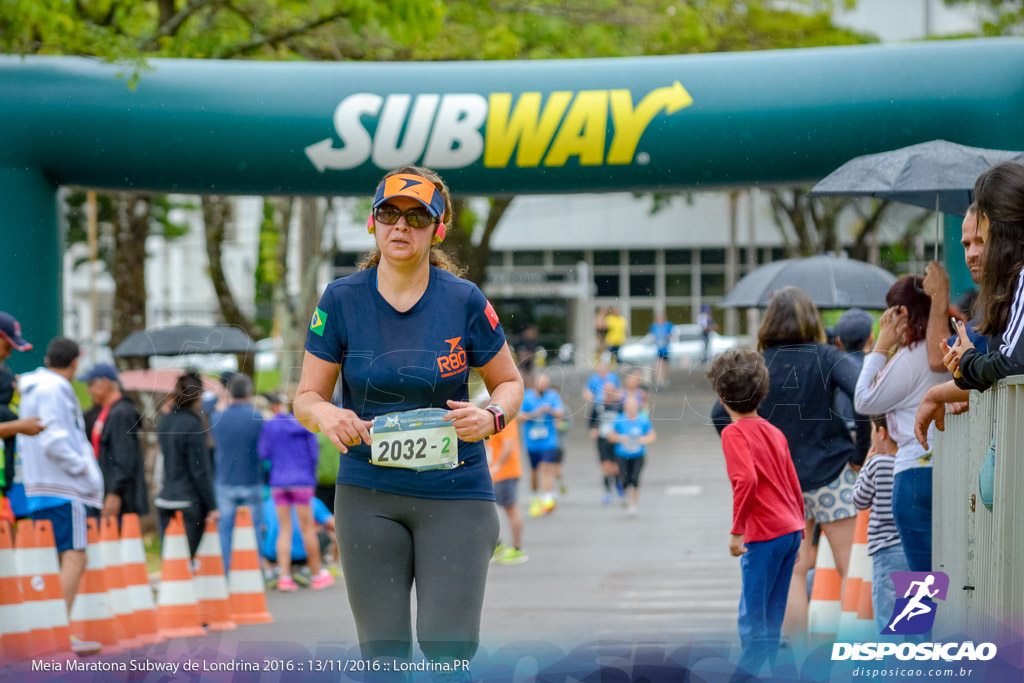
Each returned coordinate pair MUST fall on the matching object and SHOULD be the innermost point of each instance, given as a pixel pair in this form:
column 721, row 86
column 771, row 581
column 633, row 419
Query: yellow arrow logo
column 631, row 123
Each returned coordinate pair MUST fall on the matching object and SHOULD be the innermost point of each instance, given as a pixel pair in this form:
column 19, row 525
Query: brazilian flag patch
column 316, row 325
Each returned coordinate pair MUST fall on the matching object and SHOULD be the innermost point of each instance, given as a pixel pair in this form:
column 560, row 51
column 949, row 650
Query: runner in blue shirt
column 631, row 433
column 662, row 331
column 542, row 408
column 415, row 494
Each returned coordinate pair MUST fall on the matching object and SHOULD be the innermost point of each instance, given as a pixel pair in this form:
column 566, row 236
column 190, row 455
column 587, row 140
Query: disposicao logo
column 914, row 614
column 456, row 129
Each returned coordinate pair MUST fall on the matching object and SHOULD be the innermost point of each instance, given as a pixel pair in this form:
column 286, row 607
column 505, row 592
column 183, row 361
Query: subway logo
column 456, row 130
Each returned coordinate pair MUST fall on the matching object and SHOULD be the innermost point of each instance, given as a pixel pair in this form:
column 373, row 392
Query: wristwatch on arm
column 499, row 416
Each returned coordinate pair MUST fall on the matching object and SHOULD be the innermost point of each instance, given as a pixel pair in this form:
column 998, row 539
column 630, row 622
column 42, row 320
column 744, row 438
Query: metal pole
column 94, row 252
column 938, row 226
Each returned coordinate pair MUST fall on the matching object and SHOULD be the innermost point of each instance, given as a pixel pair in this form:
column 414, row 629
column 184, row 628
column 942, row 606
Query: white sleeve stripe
column 1013, row 330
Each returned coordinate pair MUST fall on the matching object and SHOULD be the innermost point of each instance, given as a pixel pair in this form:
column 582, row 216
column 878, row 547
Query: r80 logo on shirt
column 454, row 361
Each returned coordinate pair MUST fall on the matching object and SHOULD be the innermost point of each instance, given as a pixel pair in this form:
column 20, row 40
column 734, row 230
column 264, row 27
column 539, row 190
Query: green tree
column 998, row 17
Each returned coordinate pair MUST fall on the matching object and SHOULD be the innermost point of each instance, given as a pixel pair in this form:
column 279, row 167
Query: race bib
column 415, row 439
column 538, row 432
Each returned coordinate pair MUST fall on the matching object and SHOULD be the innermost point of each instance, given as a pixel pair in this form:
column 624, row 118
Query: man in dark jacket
column 115, row 440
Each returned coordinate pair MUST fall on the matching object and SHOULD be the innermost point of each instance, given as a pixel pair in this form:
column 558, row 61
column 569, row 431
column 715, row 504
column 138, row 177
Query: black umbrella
column 185, row 339
column 936, row 175
column 830, row 281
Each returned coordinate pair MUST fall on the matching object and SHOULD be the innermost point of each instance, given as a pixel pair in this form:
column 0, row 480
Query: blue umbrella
column 936, row 175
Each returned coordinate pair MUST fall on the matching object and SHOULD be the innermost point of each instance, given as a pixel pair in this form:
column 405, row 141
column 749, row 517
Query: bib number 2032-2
column 415, row 439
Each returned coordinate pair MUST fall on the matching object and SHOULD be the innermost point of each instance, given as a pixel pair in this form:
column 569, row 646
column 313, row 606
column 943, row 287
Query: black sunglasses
column 416, row 217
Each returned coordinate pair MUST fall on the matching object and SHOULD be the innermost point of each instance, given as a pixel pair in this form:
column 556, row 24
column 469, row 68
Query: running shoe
column 631, row 511
column 322, row 580
column 334, row 569
column 549, row 506
column 513, row 556
column 84, row 648
column 286, row 584
column 302, row 577
column 536, row 508
column 562, row 488
column 499, row 550
column 606, row 499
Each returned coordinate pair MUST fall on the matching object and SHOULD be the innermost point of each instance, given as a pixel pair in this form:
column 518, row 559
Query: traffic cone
column 53, row 596
column 246, row 590
column 32, row 560
column 14, row 631
column 825, row 607
column 853, row 585
column 120, row 602
column 92, row 616
column 133, row 561
column 177, row 611
column 865, row 630
column 211, row 586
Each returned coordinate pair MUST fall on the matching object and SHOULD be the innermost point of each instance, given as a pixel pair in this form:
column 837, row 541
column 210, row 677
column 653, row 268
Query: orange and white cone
column 53, row 595
column 92, row 615
column 32, row 560
column 825, row 607
column 177, row 609
column 854, row 583
column 14, row 643
column 865, row 629
column 133, row 561
column 120, row 602
column 211, row 585
column 248, row 597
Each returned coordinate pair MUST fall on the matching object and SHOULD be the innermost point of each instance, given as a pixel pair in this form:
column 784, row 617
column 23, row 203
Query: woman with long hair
column 414, row 497
column 804, row 374
column 188, row 474
column 893, row 384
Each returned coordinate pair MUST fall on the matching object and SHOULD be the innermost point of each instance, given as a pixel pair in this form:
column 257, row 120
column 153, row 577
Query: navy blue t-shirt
column 236, row 432
column 392, row 361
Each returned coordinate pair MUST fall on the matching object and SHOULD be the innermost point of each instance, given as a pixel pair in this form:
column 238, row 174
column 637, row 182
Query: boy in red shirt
column 768, row 506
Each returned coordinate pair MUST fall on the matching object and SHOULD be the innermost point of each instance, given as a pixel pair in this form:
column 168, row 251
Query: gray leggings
column 388, row 540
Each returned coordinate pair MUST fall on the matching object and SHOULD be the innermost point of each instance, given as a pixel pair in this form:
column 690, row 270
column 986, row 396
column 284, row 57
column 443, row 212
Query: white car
column 685, row 347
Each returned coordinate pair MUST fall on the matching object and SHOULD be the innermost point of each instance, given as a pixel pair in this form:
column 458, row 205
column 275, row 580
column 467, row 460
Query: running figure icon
column 915, row 606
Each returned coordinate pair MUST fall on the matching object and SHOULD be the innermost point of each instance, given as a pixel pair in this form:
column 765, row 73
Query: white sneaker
column 84, row 648
column 631, row 511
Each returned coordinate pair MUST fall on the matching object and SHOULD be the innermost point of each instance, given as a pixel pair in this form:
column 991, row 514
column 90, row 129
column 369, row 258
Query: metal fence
column 982, row 551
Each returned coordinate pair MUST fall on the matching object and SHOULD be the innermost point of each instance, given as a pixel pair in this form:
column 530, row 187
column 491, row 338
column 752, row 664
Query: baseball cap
column 414, row 186
column 105, row 370
column 11, row 330
column 854, row 328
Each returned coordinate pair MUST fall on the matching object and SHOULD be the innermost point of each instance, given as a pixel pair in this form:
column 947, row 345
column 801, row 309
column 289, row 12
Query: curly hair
column 999, row 194
column 740, row 378
column 791, row 318
column 438, row 256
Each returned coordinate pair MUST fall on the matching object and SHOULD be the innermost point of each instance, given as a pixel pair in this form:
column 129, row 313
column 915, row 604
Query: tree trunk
column 459, row 240
column 131, row 226
column 216, row 212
